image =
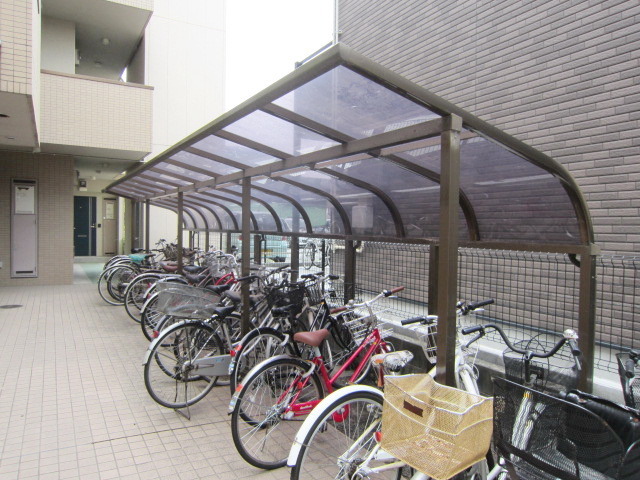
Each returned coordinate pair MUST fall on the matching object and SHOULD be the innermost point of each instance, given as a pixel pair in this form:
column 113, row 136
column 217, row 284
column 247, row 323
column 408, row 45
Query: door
column 109, row 226
column 84, row 226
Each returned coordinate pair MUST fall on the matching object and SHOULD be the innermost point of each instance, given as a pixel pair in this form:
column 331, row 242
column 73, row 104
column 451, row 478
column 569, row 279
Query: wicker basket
column 185, row 301
column 436, row 429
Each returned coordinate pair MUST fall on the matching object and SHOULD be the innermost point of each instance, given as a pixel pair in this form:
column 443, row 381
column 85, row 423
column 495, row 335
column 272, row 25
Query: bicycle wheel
column 103, row 284
column 118, row 281
column 341, row 437
column 149, row 319
column 256, row 346
column 134, row 294
column 169, row 374
column 308, row 255
column 261, row 432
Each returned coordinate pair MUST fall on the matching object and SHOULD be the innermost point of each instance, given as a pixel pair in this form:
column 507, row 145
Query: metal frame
column 447, row 131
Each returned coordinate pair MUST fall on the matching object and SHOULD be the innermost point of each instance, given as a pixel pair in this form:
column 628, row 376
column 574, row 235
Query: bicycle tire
column 134, row 294
column 149, row 319
column 103, row 284
column 260, row 433
column 256, row 346
column 308, row 254
column 167, row 373
column 118, row 280
column 341, row 436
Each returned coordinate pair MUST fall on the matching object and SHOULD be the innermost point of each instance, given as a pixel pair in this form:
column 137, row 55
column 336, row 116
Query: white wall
column 58, row 45
column 185, row 64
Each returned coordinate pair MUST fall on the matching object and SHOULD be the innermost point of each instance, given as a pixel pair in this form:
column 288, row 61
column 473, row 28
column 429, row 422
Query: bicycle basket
column 552, row 375
column 361, row 322
column 185, row 301
column 315, row 293
column 630, row 386
column 436, row 429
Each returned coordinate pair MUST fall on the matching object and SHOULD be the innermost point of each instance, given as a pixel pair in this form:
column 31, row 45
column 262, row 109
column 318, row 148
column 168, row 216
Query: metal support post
column 147, row 225
column 245, row 268
column 432, row 287
column 207, row 247
column 349, row 270
column 295, row 257
column 448, row 255
column 257, row 249
column 586, row 320
column 180, row 229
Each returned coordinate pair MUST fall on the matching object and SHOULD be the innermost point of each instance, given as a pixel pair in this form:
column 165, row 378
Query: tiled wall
column 561, row 76
column 55, row 177
column 82, row 111
column 15, row 50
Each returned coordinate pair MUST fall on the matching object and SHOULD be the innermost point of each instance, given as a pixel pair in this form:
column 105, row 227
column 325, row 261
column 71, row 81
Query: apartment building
column 89, row 88
column 562, row 76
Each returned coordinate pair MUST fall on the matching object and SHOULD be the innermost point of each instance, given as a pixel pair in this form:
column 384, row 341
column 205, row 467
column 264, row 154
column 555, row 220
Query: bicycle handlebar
column 428, row 320
column 351, row 305
column 529, row 354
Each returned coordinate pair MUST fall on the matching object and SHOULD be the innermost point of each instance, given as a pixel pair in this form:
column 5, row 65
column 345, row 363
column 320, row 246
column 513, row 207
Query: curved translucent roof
column 343, row 146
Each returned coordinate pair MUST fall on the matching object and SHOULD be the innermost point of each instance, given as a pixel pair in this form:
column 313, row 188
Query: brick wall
column 55, row 177
column 560, row 76
column 16, row 47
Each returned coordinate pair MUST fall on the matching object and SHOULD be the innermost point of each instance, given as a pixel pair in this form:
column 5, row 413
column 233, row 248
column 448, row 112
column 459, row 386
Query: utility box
column 24, row 229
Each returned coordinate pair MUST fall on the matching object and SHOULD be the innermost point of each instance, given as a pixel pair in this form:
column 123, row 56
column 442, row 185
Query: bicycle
column 277, row 393
column 629, row 373
column 339, row 439
column 183, row 363
column 316, row 254
column 308, row 310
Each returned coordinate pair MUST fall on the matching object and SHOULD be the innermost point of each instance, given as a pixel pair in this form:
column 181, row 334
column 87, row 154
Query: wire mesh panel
column 534, row 292
column 617, row 308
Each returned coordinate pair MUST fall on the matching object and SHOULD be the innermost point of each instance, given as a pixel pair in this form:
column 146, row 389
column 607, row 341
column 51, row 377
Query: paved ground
column 73, row 402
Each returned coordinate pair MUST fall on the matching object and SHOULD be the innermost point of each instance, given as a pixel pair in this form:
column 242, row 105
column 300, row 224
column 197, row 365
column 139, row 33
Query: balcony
column 82, row 115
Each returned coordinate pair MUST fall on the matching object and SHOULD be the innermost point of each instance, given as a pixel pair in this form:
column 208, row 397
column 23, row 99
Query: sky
column 266, row 38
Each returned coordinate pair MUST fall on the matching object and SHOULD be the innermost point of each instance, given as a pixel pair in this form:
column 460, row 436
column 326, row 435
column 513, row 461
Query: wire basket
column 436, row 429
column 185, row 301
column 315, row 293
column 553, row 375
column 360, row 322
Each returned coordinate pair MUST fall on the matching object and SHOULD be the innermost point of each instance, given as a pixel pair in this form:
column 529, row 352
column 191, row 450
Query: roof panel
column 279, row 134
column 233, row 151
column 344, row 146
column 344, row 100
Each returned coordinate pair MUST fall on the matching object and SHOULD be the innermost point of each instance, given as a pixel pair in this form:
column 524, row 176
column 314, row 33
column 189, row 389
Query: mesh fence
column 534, row 292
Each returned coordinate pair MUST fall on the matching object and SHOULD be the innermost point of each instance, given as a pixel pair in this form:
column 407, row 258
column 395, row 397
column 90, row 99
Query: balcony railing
column 93, row 116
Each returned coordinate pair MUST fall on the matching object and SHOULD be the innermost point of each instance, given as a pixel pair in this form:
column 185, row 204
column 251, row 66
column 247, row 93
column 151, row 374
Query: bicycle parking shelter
column 343, row 148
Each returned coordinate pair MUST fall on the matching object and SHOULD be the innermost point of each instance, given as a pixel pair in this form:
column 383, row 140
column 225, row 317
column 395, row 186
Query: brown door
column 110, row 226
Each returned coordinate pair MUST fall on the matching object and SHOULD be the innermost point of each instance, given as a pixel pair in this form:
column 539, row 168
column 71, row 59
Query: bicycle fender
column 165, row 332
column 147, row 301
column 317, row 412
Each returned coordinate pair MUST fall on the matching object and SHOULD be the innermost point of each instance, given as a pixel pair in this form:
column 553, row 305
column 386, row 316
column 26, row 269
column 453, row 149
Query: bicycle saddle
column 236, row 298
column 222, row 312
column 313, row 339
column 219, row 289
column 169, row 266
column 193, row 268
column 195, row 279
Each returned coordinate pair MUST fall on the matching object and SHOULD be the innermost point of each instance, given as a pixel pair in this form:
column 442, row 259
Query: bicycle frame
column 371, row 343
